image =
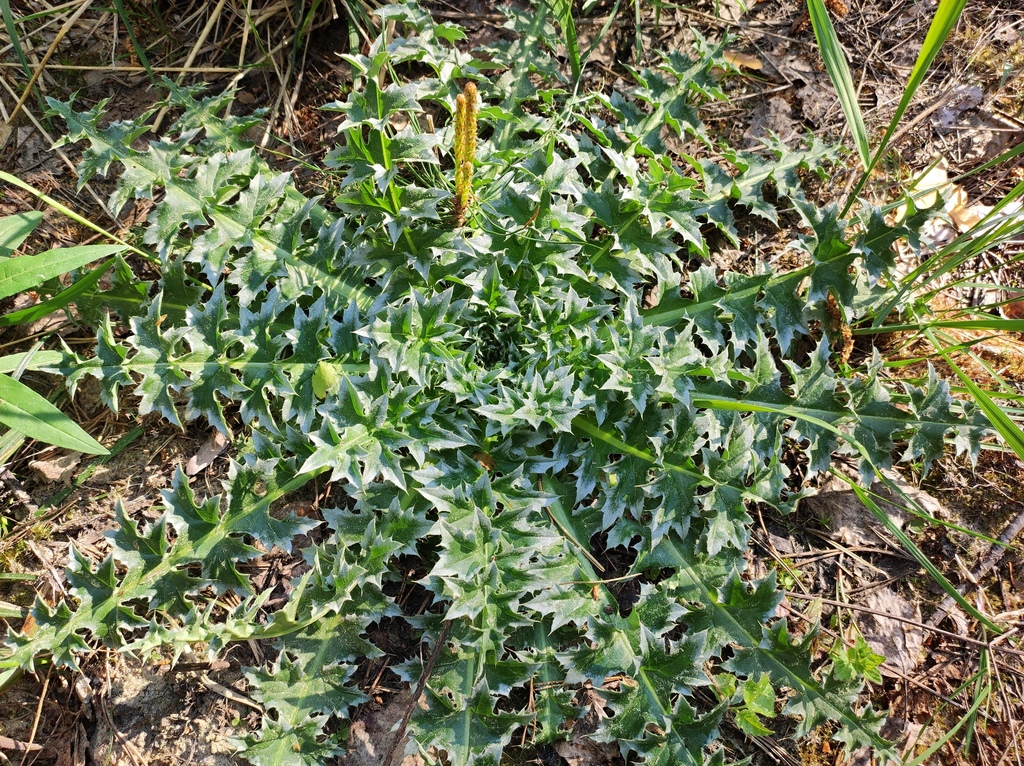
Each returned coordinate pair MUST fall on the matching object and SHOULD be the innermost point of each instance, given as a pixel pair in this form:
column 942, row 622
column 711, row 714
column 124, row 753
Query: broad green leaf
column 947, row 13
column 834, row 56
column 14, row 229
column 28, row 272
column 23, row 410
column 64, row 298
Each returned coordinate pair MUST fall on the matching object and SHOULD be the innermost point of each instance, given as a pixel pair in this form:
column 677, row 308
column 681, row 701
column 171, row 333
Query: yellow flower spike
column 466, row 189
column 460, row 129
column 465, row 149
column 470, row 145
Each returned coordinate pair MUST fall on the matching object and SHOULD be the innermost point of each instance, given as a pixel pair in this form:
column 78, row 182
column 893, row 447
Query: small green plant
column 22, row 409
column 504, row 403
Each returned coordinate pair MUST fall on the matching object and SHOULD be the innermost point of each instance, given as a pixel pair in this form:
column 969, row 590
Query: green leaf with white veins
column 282, row 745
column 305, row 690
column 459, row 715
column 157, row 358
column 374, row 106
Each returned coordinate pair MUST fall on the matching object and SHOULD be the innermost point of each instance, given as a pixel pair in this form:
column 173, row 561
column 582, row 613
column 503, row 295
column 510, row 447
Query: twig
column 399, row 731
column 907, row 620
column 129, row 69
column 992, row 557
column 39, row 708
column 192, row 56
column 228, row 693
column 6, row 743
column 46, row 57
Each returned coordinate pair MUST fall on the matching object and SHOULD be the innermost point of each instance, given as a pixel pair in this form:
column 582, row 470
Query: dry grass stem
column 46, row 57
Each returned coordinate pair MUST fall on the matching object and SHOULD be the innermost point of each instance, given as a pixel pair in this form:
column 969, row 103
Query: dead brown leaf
column 742, row 60
column 583, row 751
column 60, row 469
column 212, row 448
column 898, row 641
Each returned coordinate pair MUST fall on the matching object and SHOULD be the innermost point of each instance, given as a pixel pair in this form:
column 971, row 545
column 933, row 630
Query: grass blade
column 562, row 11
column 980, row 698
column 839, row 72
column 911, row 547
column 1001, row 422
column 12, row 32
column 1009, row 154
column 25, row 411
column 30, row 360
column 33, row 313
column 83, row 476
column 29, row 271
column 77, row 218
column 991, row 230
column 139, row 50
column 946, row 17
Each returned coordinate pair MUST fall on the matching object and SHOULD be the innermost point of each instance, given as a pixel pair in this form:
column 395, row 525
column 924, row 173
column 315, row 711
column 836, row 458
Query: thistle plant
column 504, row 406
column 465, row 149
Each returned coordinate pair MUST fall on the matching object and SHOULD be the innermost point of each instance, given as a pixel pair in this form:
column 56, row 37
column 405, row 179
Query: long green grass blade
column 30, row 360
column 915, row 509
column 25, row 411
column 946, row 17
column 981, row 697
column 30, row 271
column 139, row 50
column 990, row 231
column 609, row 21
column 562, row 11
column 10, row 443
column 1001, row 422
column 83, row 286
column 839, row 72
column 12, row 32
column 76, row 217
column 1009, row 154
column 996, row 324
column 12, row 612
column 911, row 547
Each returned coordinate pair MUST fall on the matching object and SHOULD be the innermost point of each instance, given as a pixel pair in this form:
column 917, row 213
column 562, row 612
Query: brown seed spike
column 838, row 7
